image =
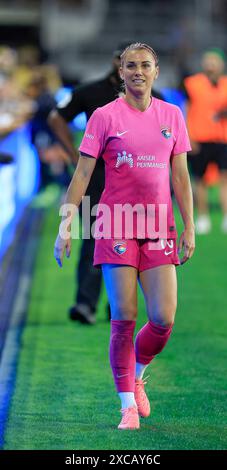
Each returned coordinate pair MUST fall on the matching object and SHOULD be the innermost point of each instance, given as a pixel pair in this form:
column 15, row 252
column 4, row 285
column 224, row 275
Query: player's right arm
column 91, row 148
column 75, row 192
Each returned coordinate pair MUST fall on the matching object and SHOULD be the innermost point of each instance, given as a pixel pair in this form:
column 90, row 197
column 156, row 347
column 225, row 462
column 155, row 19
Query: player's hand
column 61, row 246
column 187, row 244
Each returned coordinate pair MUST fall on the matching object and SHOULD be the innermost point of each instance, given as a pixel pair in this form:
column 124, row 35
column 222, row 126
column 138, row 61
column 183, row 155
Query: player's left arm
column 183, row 193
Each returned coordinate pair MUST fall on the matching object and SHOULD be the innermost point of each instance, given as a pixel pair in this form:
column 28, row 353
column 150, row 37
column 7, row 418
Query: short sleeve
column 182, row 141
column 93, row 141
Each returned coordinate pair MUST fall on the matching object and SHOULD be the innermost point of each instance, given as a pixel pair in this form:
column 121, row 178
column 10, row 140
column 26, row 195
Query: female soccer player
column 139, row 137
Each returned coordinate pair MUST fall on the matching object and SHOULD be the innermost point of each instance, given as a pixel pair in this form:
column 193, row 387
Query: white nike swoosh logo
column 124, row 375
column 168, row 252
column 121, row 133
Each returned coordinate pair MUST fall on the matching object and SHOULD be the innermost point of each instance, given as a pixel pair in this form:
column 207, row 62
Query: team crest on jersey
column 124, row 158
column 166, row 132
column 120, row 247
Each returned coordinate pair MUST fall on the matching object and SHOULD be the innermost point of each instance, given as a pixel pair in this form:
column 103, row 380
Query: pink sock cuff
column 161, row 330
column 150, row 341
column 123, row 326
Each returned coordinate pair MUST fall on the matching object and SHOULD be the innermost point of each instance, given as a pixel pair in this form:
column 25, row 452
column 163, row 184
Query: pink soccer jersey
column 137, row 147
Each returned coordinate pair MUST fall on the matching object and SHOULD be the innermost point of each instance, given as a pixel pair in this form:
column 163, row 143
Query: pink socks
column 150, row 341
column 122, row 354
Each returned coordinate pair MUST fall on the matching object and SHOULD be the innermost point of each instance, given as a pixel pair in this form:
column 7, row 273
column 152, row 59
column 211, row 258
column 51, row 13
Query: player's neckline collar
column 136, row 109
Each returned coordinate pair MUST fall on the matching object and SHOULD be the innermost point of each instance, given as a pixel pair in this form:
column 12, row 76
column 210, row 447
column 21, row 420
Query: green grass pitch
column 64, row 396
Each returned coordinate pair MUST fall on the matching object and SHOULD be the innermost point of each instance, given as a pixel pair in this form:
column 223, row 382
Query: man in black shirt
column 86, row 98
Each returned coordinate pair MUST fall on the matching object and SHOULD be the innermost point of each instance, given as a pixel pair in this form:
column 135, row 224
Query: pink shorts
column 141, row 254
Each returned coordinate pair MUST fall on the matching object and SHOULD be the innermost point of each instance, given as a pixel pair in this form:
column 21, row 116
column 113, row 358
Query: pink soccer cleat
column 130, row 419
column 142, row 401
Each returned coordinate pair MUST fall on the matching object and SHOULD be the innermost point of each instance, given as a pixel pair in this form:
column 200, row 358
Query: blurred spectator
column 15, row 108
column 26, row 93
column 206, row 93
column 53, row 158
column 29, row 63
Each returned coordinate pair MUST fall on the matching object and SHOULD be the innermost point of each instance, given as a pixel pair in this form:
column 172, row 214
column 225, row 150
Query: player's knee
column 124, row 312
column 165, row 315
column 165, row 322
